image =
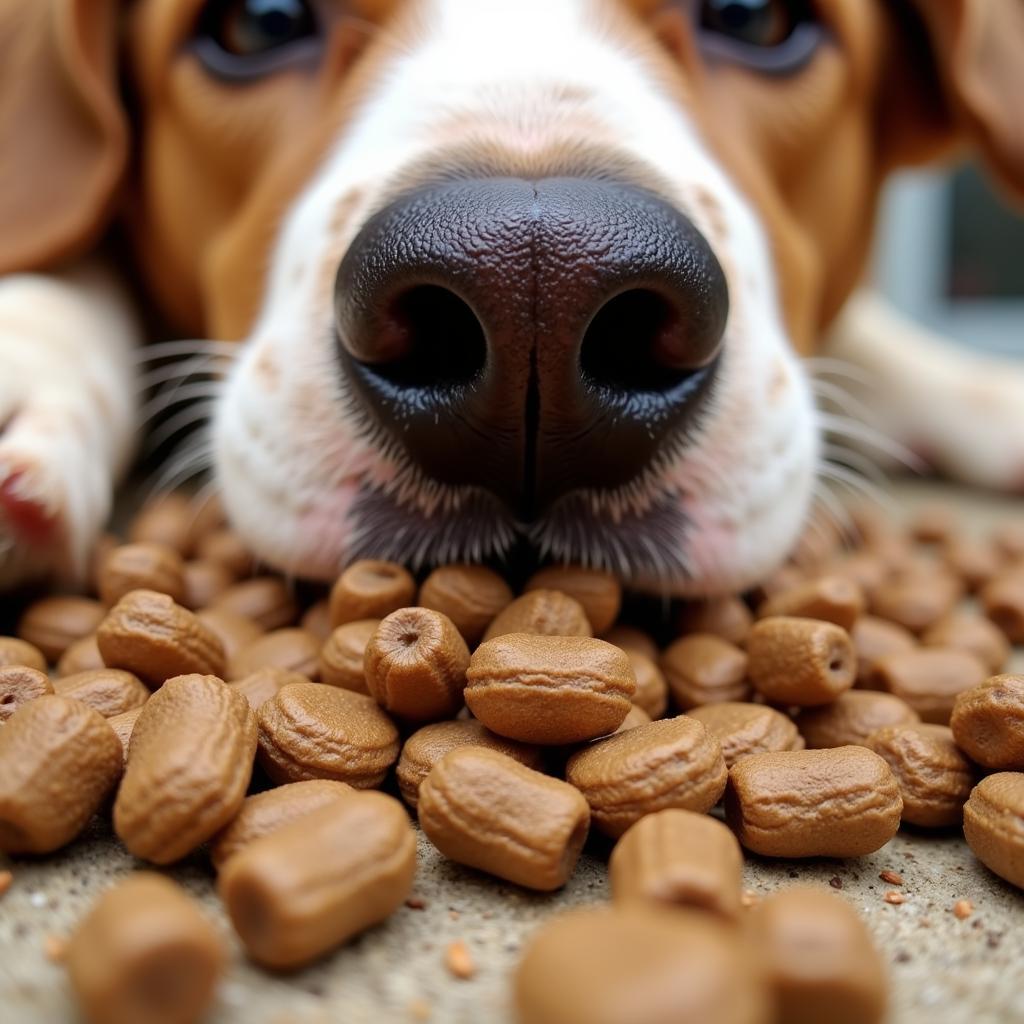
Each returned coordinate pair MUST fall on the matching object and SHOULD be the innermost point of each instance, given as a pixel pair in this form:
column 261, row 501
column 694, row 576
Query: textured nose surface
column 531, row 338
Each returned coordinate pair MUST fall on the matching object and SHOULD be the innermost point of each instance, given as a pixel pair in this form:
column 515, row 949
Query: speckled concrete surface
column 944, row 970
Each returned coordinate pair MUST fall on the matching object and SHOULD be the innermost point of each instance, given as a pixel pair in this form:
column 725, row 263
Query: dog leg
column 960, row 411
column 67, row 407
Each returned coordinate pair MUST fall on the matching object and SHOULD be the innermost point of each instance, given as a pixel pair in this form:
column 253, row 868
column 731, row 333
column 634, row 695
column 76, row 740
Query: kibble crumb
column 416, row 903
column 891, row 877
column 963, row 909
column 6, row 878
column 749, row 898
column 836, row 882
column 458, row 960
column 419, row 1009
column 55, row 948
column 895, row 898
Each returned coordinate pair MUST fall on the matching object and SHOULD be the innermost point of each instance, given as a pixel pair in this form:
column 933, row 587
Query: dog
column 493, row 274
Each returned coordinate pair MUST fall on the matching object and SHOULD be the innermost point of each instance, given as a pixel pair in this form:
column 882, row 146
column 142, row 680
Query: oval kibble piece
column 189, row 765
column 638, row 965
column 14, row 651
column 674, row 762
column 917, row 599
column 727, row 617
column 862, row 567
column 968, row 631
column 482, row 808
column 204, row 582
column 678, row 858
column 234, row 631
column 264, row 599
column 994, row 825
column 840, row 802
column 425, row 747
column 341, row 657
column 651, row 689
column 935, row 779
column 743, row 729
column 149, row 634
column 292, row 649
column 548, row 689
column 260, row 686
column 312, row 731
column 263, row 813
column 227, row 549
column 974, row 561
column 705, row 669
column 58, row 761
column 53, row 624
column 852, row 718
column 637, row 716
column 18, row 685
column 370, row 589
column 829, row 598
column 317, row 619
column 1003, row 601
column 988, row 723
column 415, row 665
column 873, row 639
column 598, row 591
column 145, row 566
column 82, row 656
column 631, row 639
column 470, row 595
column 315, row 883
column 145, row 953
column 805, row 662
column 110, row 691
column 1008, row 538
column 542, row 613
column 123, row 726
column 820, row 962
column 166, row 520
column 929, row 679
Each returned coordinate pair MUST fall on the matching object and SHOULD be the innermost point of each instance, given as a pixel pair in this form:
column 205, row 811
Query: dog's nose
column 532, row 338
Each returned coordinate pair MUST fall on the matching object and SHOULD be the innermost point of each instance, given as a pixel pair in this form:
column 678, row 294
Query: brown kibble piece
column 341, row 658
column 58, row 761
column 974, row 561
column 149, row 634
column 963, row 909
column 266, row 812
column 6, row 881
column 744, row 729
column 312, row 731
column 651, row 689
column 260, row 686
column 315, row 883
column 470, row 595
column 1008, row 538
column 598, row 592
column 637, row 716
column 144, row 952
column 166, row 520
column 55, row 949
column 1003, row 601
column 629, row 638
column 53, row 624
column 234, row 631
column 852, row 718
column 266, row 600
column 227, row 549
column 146, row 566
column 935, row 779
column 482, row 808
column 638, row 965
column 929, row 679
column 14, row 651
column 317, row 619
column 933, row 523
column 81, row 656
column 292, row 649
column 819, row 958
column 123, row 726
column 873, row 639
column 895, row 898
column 678, row 858
column 18, row 685
column 425, row 747
column 549, row 690
column 110, row 691
column 543, row 613
column 917, row 598
column 705, row 669
column 829, row 598
column 994, row 825
column 805, row 662
column 968, row 631
column 890, row 877
column 726, row 617
column 459, row 961
column 840, row 802
column 415, row 665
column 863, row 568
column 204, row 582
column 370, row 590
column 189, row 764
column 671, row 763
column 988, row 723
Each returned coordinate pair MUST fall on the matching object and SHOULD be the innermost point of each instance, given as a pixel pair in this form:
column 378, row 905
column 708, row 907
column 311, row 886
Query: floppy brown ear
column 63, row 133
column 969, row 85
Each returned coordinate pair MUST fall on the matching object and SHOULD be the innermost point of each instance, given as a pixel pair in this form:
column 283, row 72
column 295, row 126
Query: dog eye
column 241, row 35
column 769, row 35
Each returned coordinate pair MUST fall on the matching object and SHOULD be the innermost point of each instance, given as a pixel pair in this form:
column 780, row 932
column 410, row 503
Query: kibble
column 994, row 825
column 830, row 598
column 727, row 617
column 144, row 566
column 917, row 598
column 370, row 590
column 632, row 640
column 110, row 691
column 266, row 600
column 929, row 679
column 292, row 649
column 260, row 686
column 227, row 549
column 743, row 729
column 341, row 657
column 852, row 718
column 14, row 651
column 598, row 592
column 204, row 581
column 167, row 520
column 988, row 723
column 18, row 685
column 874, row 639
column 1003, row 601
column 705, row 669
column 234, row 631
column 470, row 595
column 81, row 656
column 53, row 624
column 968, row 631
column 541, row 612
column 651, row 689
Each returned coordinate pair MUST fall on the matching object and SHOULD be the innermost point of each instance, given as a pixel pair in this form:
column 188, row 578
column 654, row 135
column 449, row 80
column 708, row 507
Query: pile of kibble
column 858, row 688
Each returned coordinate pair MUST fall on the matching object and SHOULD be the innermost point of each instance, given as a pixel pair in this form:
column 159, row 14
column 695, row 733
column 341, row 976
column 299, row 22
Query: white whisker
column 844, row 426
column 201, row 389
column 186, row 347
column 196, row 412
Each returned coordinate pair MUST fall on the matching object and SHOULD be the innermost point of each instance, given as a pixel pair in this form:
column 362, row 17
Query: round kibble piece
column 820, row 962
column 234, row 631
column 830, row 598
column 266, row 812
column 743, row 729
column 929, row 679
column 840, row 802
column 541, row 612
column 994, row 825
column 149, row 634
column 166, row 520
column 14, row 651
column 317, row 619
column 204, row 582
column 968, row 631
column 705, row 669
column 18, row 685
column 266, row 600
column 1003, row 601
column 917, row 599
column 189, row 764
column 81, row 656
column 638, row 965
column 675, row 762
column 974, row 561
column 678, row 858
column 293, row 649
column 852, row 718
column 53, row 624
column 146, row 566
column 482, row 808
column 110, row 691
column 260, row 686
column 370, row 590
column 312, row 731
column 318, row 881
column 425, row 747
column 727, row 617
column 549, row 690
column 651, row 689
column 58, row 761
column 415, row 665
column 935, row 779
column 988, row 723
column 805, row 662
column 637, row 716
column 598, row 591
column 145, row 952
column 227, row 549
column 341, row 658
column 873, row 639
column 629, row 638
column 123, row 726
column 470, row 595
